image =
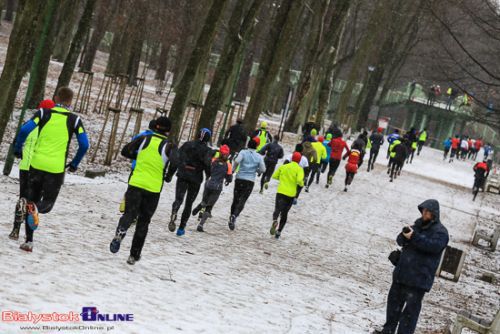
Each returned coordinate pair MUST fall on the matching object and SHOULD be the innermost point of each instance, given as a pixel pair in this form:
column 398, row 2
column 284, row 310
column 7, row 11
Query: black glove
column 394, row 257
column 71, row 168
column 168, row 178
column 18, row 154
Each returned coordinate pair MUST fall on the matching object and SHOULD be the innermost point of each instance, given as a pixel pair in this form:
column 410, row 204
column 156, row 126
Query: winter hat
column 163, row 124
column 224, row 150
column 254, row 142
column 379, row 130
column 46, row 104
column 321, row 139
column 299, row 148
column 205, row 135
column 314, row 132
column 329, row 136
column 152, row 124
column 296, row 157
column 263, row 125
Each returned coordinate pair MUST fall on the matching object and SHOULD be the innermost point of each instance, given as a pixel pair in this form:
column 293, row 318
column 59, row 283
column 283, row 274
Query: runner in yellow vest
column 264, row 135
column 422, row 138
column 29, row 147
column 55, row 127
column 315, row 166
column 290, row 176
column 151, row 152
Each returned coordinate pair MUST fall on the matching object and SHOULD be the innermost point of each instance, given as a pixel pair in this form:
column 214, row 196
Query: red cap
column 47, row 104
column 256, row 140
column 379, row 130
column 224, row 150
column 296, row 157
column 321, row 139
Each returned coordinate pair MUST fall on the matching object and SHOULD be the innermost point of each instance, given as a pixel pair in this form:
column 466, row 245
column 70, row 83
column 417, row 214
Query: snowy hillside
column 328, row 274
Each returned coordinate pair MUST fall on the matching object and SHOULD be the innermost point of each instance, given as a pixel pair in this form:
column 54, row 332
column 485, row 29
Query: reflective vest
column 391, row 148
column 28, row 148
column 263, row 139
column 150, row 164
column 423, row 136
column 321, row 153
column 290, row 176
column 55, row 128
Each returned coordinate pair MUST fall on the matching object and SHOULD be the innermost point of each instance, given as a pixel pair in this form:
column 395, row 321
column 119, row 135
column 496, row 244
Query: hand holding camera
column 407, row 232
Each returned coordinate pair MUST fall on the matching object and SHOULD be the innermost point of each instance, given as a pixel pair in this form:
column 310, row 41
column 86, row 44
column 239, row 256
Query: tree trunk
column 2, row 5
column 358, row 65
column 199, row 54
column 244, row 78
column 330, row 74
column 318, row 58
column 384, row 55
column 43, row 68
column 161, row 71
column 241, row 27
column 104, row 16
column 134, row 61
column 277, row 46
column 314, row 38
column 10, row 7
column 120, row 49
column 27, row 28
column 76, row 45
column 69, row 15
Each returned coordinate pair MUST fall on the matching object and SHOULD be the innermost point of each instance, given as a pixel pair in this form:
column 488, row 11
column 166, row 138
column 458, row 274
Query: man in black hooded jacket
column 413, row 276
column 235, row 138
column 193, row 158
column 272, row 153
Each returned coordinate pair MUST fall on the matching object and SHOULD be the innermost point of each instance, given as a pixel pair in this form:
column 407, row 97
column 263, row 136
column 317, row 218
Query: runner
column 249, row 163
column 221, row 173
column 290, row 176
column 48, row 163
column 272, row 152
column 194, row 159
column 151, row 153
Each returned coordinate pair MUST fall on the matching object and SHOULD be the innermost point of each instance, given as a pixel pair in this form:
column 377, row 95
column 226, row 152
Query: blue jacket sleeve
column 83, row 146
column 26, row 129
column 433, row 245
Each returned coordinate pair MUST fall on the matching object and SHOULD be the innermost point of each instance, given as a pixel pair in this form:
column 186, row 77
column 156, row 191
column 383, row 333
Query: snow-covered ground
column 328, row 274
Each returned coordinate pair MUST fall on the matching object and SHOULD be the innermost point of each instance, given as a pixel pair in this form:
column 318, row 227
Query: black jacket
column 359, row 144
column 421, row 254
column 377, row 140
column 221, row 170
column 401, row 152
column 306, row 130
column 192, row 159
column 235, row 138
column 272, row 152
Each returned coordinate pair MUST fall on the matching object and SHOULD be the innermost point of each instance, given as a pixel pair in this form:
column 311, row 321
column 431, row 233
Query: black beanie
column 163, row 124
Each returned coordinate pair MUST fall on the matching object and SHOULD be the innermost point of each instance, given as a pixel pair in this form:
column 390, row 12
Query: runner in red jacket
column 351, row 168
column 455, row 143
column 477, row 147
column 338, row 145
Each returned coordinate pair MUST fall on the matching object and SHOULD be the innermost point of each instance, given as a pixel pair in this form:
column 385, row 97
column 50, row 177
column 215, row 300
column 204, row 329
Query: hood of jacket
column 432, row 205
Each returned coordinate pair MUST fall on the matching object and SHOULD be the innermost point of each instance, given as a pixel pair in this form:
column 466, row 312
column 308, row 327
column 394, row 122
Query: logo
column 91, row 313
